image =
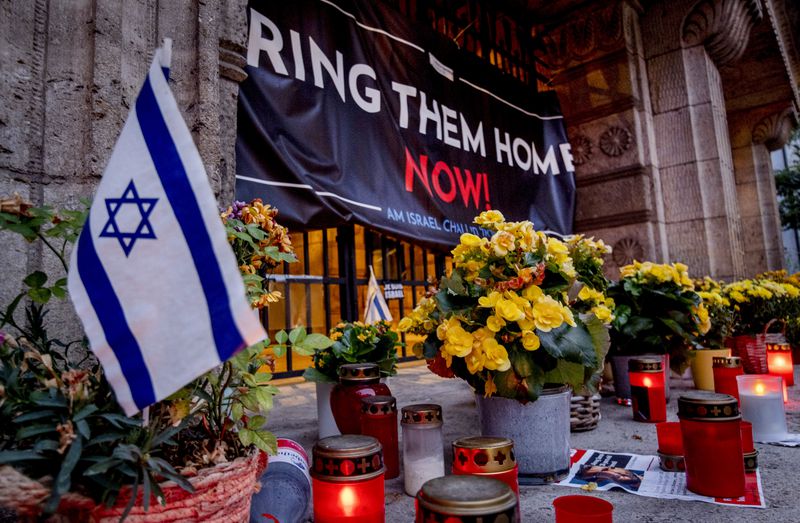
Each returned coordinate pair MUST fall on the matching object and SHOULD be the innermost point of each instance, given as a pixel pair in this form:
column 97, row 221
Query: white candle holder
column 761, row 402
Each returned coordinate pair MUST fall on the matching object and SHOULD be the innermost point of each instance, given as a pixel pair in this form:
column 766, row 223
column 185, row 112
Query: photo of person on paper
column 625, row 478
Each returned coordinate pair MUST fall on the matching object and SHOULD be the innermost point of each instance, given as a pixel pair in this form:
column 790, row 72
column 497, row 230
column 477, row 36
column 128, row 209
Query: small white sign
column 393, row 291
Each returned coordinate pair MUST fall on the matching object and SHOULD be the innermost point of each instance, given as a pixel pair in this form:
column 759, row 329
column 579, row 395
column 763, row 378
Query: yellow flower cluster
column 580, row 245
column 479, row 349
column 649, row 272
column 419, row 321
column 601, row 305
column 742, row 291
column 703, row 319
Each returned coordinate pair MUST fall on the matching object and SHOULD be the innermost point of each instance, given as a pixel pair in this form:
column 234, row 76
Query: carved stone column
column 755, row 184
column 599, row 73
column 686, row 43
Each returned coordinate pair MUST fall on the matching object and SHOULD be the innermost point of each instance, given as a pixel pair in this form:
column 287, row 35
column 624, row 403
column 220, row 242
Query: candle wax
column 765, row 412
column 417, row 472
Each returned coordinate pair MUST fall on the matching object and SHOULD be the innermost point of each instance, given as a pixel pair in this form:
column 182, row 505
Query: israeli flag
column 376, row 309
column 152, row 276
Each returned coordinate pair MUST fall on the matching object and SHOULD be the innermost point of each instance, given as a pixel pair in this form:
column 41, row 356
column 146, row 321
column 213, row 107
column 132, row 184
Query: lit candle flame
column 759, row 389
column 648, row 382
column 780, row 362
column 347, row 501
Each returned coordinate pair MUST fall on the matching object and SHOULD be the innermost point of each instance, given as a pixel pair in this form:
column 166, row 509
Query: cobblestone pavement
column 294, row 416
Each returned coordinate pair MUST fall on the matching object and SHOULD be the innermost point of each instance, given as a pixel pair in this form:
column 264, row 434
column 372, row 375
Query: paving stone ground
column 294, row 416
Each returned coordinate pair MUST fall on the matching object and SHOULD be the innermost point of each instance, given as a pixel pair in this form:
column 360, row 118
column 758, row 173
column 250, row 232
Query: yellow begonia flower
column 704, row 324
column 490, row 217
column 603, row 313
column 458, row 342
column 530, row 341
column 588, row 294
column 548, row 314
column 489, row 387
column 490, row 300
column 471, row 240
column 405, row 324
column 508, row 310
column 526, row 323
column 532, row 293
column 495, row 355
column 495, row 323
column 475, row 360
column 502, row 242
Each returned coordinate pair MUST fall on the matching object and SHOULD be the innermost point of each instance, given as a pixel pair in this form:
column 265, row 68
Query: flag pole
column 166, row 53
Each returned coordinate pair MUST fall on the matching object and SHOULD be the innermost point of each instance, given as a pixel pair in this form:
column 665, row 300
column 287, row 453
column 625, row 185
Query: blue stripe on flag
column 181, row 197
column 112, row 319
column 377, row 303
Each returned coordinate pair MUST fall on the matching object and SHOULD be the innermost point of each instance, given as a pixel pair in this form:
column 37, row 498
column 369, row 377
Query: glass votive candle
column 725, row 371
column 488, row 456
column 712, row 443
column 649, row 401
column 356, row 381
column 748, row 447
column 582, row 509
column 465, row 499
column 379, row 420
column 347, row 480
column 423, row 455
column 670, row 446
column 761, row 399
column 779, row 362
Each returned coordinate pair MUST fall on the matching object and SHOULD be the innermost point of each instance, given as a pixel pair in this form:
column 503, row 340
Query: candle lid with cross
column 649, row 365
column 352, row 373
column 422, row 414
column 378, row 405
column 483, row 454
column 467, row 496
column 701, row 405
column 350, row 457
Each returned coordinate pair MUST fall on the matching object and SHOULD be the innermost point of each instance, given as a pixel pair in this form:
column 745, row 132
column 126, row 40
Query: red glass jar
column 725, row 371
column 489, row 457
column 379, row 420
column 356, row 381
column 779, row 362
column 748, row 448
column 347, row 480
column 712, row 443
column 465, row 499
column 649, row 400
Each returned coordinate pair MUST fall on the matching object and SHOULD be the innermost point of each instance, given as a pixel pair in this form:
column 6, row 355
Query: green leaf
column 13, row 456
column 39, row 295
column 316, row 341
column 31, row 416
column 35, row 279
column 297, row 335
column 572, row 344
column 101, row 466
column 237, row 411
column 35, row 430
column 566, row 373
column 312, row 374
column 83, row 429
column 281, row 337
column 256, row 422
column 88, row 410
column 64, row 478
column 522, row 362
column 262, row 439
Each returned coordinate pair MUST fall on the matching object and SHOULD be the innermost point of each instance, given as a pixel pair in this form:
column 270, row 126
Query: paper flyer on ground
column 640, row 474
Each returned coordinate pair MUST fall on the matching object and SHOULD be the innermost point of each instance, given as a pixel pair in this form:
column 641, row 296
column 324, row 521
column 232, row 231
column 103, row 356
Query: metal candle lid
column 378, row 405
column 728, row 362
column 467, row 495
column 701, row 405
column 778, row 347
column 482, row 454
column 350, row 457
column 422, row 414
column 352, row 373
column 648, row 365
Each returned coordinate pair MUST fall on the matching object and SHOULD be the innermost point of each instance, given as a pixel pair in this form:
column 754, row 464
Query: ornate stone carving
column 232, row 61
column 615, row 141
column 774, row 131
column 626, row 251
column 722, row 26
column 582, row 149
column 597, row 30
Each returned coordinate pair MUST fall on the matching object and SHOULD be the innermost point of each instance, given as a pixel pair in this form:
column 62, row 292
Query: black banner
column 353, row 114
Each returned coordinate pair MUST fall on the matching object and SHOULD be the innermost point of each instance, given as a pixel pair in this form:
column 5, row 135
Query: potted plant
column 64, row 437
column 353, row 342
column 757, row 304
column 504, row 322
column 711, row 344
column 657, row 312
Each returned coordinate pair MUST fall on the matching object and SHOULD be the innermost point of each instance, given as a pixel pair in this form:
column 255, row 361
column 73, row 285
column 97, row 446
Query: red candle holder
column 465, row 499
column 712, row 443
column 748, row 448
column 648, row 396
column 725, row 371
column 489, row 457
column 670, row 446
column 379, row 420
column 779, row 362
column 582, row 509
column 347, row 480
column 356, row 381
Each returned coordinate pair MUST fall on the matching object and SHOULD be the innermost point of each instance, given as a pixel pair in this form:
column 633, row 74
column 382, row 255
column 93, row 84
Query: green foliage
column 787, row 185
column 354, row 343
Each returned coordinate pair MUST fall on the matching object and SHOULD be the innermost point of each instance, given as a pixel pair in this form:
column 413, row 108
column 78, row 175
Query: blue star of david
column 143, row 230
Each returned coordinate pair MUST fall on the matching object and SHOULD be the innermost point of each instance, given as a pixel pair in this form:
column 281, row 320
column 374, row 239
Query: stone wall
column 71, row 71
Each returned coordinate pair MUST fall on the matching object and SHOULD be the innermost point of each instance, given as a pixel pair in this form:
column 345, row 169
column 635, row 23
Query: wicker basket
column 584, row 413
column 222, row 494
column 753, row 348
